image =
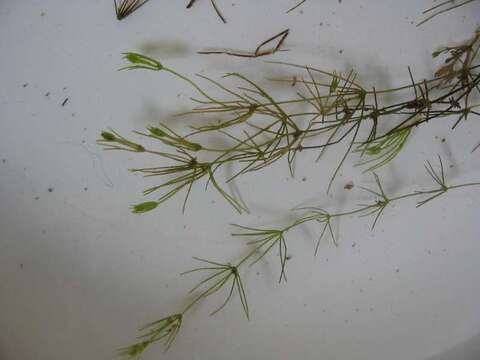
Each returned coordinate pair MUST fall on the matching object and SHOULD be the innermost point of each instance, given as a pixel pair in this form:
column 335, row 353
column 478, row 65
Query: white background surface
column 79, row 273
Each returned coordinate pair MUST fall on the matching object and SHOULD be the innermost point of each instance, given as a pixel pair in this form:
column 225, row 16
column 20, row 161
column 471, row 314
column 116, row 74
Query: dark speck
column 398, row 270
column 65, row 101
column 304, row 179
column 25, row 85
column 354, row 244
column 47, row 93
column 50, row 189
column 258, row 273
column 21, row 266
column 289, row 257
column 4, row 161
column 443, row 140
column 349, row 186
column 37, row 197
column 340, row 51
column 85, row 189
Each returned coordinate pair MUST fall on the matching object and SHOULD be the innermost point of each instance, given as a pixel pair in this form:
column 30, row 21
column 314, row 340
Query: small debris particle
column 288, row 257
column 25, row 85
column 339, row 1
column 50, row 189
column 443, row 140
column 357, row 310
column 361, row 290
column 321, row 24
column 354, row 244
column 349, row 186
column 65, row 101
column 4, row 161
column 37, row 197
column 370, row 279
column 85, row 189
column 451, row 166
column 64, row 88
column 47, row 93
column 304, row 179
column 258, row 273
column 398, row 270
column 21, row 266
column 44, row 232
column 371, row 309
column 340, row 51
column 42, row 13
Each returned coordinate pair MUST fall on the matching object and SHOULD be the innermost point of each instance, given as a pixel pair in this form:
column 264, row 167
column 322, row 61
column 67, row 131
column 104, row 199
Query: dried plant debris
column 127, row 7
column 265, row 48
column 442, row 8
column 215, row 7
column 296, row 6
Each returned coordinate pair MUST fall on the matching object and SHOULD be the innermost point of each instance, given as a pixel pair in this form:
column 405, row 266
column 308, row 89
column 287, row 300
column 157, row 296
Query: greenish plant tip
column 157, row 132
column 375, row 150
column 133, row 351
column 108, row 136
column 144, row 207
column 166, row 328
column 195, row 147
column 140, row 61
